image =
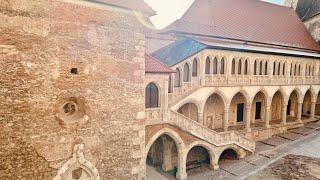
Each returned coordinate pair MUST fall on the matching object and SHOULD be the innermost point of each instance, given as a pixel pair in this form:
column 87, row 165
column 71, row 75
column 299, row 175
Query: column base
column 182, row 176
column 214, row 166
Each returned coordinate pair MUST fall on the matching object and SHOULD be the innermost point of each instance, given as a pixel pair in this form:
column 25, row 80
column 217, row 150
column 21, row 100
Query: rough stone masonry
column 72, row 75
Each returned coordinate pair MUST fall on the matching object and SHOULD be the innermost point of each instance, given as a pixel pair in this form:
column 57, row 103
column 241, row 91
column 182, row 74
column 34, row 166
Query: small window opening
column 69, row 108
column 74, row 70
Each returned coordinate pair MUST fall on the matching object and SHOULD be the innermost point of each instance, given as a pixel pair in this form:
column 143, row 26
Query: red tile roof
column 155, row 66
column 139, row 5
column 247, row 20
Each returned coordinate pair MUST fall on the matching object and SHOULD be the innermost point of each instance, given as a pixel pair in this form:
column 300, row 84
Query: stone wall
column 70, row 74
column 313, row 25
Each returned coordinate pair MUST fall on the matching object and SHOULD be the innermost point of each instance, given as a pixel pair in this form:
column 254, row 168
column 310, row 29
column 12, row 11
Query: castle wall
column 46, row 108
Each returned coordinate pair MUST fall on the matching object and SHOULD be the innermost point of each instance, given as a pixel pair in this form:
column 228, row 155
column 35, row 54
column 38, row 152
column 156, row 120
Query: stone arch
column 78, row 163
column 187, row 72
column 255, row 68
column 186, row 101
column 204, row 145
column 258, row 106
column 152, row 95
column 238, row 151
column 306, row 104
column 189, row 110
column 178, row 76
column 222, row 65
column 178, row 142
column 208, row 65
column 215, row 65
column 292, row 104
column 213, row 109
column 240, row 66
column 237, row 108
column 299, row 94
column 233, row 66
column 218, row 92
column 195, row 67
column 278, row 99
column 244, row 93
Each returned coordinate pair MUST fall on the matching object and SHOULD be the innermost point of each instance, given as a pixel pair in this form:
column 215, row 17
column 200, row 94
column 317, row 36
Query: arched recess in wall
column 266, row 68
column 213, row 111
column 186, row 73
column 274, row 68
column 255, row 67
column 215, row 66
column 306, row 106
column 258, row 109
column 198, row 157
column 222, row 66
column 77, row 167
column 152, row 96
column 246, row 67
column 284, row 69
column 228, row 154
column 299, row 70
column 233, row 68
column 292, row 107
column 260, row 69
column 189, row 110
column 237, row 108
column 295, row 70
column 163, row 151
column 170, row 88
column 276, row 107
column 207, row 69
column 195, row 67
column 177, row 78
column 240, row 66
column 279, row 69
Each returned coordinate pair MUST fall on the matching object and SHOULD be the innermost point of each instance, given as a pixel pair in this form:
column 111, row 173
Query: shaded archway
column 177, row 78
column 292, row 107
column 237, row 112
column 213, row 112
column 163, row 156
column 189, row 110
column 198, row 158
column 306, row 106
column 258, row 109
column 208, row 67
column 276, row 107
column 227, row 156
column 195, row 67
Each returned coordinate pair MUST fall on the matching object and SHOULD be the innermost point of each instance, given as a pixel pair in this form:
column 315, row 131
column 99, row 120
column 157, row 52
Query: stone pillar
column 299, row 114
column 225, row 120
column 313, row 109
column 167, row 153
column 182, row 171
column 165, row 100
column 248, row 117
column 284, row 114
column 200, row 118
column 268, row 116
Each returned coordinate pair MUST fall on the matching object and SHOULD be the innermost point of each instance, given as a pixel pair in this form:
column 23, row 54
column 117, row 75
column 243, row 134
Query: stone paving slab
column 276, row 141
column 262, row 147
column 312, row 126
column 291, row 136
column 259, row 161
column 303, row 131
column 237, row 167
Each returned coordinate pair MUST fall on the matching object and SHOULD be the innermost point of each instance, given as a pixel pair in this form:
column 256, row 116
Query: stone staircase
column 208, row 135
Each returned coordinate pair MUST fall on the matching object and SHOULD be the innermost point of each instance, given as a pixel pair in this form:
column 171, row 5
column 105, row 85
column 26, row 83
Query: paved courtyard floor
column 304, row 141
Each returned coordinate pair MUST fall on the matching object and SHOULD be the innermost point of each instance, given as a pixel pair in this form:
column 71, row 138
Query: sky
column 171, row 10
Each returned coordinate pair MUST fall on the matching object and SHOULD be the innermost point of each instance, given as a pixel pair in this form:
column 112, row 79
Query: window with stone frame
column 152, row 96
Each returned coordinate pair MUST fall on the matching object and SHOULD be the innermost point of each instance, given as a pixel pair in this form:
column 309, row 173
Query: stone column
column 226, row 119
column 167, row 153
column 165, row 101
column 268, row 116
column 284, row 114
column 182, row 171
column 248, row 117
column 200, row 118
column 299, row 114
column 313, row 109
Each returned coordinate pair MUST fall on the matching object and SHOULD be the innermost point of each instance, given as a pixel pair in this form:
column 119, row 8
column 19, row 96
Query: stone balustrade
column 153, row 116
column 213, row 137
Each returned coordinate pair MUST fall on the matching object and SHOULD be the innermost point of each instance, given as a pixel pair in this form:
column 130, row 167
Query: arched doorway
column 189, row 110
column 276, row 108
column 258, row 109
column 198, row 158
column 213, row 112
column 162, row 157
column 227, row 157
column 306, row 106
column 292, row 107
column 237, row 110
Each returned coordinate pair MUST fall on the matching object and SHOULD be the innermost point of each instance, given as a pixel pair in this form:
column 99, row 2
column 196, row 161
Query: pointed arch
column 222, row 66
column 207, row 69
column 284, row 69
column 246, row 67
column 240, row 66
column 186, row 73
column 261, row 68
column 274, row 68
column 233, row 68
column 152, row 96
column 215, row 66
column 255, row 68
column 177, row 78
column 266, row 68
column 195, row 67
